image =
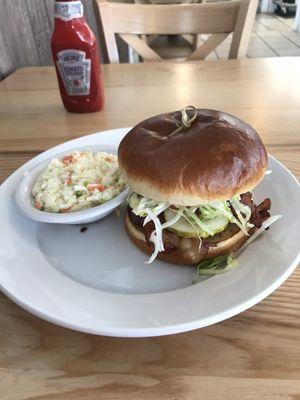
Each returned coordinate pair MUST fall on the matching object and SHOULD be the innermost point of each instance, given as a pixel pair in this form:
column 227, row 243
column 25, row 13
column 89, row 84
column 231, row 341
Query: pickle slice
column 184, row 229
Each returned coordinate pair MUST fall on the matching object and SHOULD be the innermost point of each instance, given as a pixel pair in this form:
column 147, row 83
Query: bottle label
column 68, row 11
column 75, row 72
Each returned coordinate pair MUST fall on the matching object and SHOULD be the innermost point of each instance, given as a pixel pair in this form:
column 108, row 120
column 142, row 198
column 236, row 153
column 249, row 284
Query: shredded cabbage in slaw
column 79, row 180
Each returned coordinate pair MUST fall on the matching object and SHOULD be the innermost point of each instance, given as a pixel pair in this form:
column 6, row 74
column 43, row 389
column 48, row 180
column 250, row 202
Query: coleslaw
column 78, row 181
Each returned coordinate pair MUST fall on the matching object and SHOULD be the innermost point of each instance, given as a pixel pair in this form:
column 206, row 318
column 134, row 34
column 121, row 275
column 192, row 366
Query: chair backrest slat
column 210, row 44
column 243, row 28
column 140, row 46
column 218, row 19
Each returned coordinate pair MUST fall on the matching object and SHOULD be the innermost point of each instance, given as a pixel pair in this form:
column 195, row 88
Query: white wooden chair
column 216, row 19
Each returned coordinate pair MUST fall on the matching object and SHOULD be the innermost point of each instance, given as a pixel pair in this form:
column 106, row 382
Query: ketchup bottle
column 76, row 59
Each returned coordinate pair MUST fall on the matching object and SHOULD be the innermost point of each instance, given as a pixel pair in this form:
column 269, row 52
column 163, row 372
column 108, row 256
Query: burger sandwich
column 191, row 173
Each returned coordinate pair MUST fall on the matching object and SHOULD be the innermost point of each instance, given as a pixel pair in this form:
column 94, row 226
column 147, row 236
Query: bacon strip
column 258, row 213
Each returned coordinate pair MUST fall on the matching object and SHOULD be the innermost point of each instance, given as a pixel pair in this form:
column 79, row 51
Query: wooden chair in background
column 190, row 42
column 182, row 48
column 217, row 20
column 167, row 1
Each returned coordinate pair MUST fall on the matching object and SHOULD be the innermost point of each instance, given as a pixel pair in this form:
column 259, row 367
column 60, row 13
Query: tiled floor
column 272, row 36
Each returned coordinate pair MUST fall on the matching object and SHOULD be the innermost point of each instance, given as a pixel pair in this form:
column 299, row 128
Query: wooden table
column 255, row 355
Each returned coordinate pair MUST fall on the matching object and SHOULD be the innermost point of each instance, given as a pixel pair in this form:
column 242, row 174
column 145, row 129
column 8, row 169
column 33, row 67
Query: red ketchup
column 76, row 58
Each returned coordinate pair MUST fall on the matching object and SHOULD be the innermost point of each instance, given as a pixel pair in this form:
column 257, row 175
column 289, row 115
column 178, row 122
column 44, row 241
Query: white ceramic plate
column 98, row 282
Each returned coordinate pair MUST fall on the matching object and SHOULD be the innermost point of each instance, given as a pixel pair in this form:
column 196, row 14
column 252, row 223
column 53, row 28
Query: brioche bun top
column 217, row 157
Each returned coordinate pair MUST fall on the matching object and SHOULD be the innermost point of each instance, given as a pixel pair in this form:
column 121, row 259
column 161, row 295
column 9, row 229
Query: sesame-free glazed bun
column 218, row 157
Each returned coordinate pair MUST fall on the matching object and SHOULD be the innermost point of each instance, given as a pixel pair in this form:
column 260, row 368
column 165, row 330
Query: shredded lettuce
column 181, row 214
column 208, row 212
column 217, row 265
column 224, row 209
column 191, row 215
column 225, row 263
column 150, row 210
column 196, row 216
column 156, row 235
column 243, row 212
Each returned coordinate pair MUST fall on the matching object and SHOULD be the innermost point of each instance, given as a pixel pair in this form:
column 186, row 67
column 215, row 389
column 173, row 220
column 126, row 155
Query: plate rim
column 137, row 332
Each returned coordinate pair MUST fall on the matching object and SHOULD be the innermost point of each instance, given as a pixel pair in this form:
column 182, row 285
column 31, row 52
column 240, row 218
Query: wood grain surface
column 255, row 355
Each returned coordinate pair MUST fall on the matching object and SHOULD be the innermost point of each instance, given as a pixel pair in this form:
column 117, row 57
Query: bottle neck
column 66, row 10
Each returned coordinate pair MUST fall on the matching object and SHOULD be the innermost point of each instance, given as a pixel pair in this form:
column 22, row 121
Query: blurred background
column 26, row 26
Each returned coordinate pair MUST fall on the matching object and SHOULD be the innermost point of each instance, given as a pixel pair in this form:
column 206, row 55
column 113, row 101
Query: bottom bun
column 185, row 256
